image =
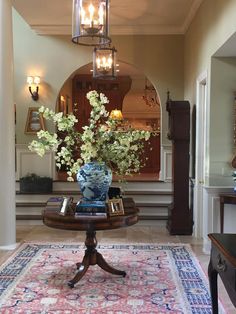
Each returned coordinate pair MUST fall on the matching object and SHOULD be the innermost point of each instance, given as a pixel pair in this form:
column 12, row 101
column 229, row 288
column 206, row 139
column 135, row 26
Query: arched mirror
column 132, row 93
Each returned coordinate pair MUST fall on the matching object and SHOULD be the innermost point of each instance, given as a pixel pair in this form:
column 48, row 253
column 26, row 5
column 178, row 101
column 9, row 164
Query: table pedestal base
column 92, row 257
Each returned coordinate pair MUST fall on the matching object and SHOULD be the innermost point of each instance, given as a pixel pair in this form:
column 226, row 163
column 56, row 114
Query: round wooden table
column 52, row 218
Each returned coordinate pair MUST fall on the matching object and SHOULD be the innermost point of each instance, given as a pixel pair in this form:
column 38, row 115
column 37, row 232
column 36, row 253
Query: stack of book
column 91, row 209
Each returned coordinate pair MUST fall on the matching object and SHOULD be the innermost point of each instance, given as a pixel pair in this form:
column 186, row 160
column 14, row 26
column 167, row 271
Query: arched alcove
column 130, row 92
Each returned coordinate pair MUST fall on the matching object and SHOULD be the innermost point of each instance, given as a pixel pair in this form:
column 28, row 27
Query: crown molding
column 191, row 15
column 145, row 30
column 114, row 30
column 66, row 29
column 51, row 29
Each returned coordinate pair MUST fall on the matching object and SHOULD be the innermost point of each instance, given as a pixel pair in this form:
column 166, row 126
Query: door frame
column 202, row 117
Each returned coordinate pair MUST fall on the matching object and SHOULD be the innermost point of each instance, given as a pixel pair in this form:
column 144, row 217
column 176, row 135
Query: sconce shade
column 34, row 81
column 30, row 80
column 90, row 22
column 104, row 63
column 37, row 80
column 116, row 115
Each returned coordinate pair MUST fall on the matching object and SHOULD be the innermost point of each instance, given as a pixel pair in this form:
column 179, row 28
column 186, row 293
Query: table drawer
column 224, row 268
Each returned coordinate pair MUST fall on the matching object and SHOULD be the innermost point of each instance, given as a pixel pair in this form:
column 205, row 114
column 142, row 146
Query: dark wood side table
column 222, row 262
column 52, row 218
column 225, row 198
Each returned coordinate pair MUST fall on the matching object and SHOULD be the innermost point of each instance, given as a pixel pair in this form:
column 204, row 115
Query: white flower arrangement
column 102, row 140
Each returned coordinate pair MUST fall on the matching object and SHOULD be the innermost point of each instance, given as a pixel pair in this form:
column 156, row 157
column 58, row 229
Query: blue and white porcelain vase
column 94, row 179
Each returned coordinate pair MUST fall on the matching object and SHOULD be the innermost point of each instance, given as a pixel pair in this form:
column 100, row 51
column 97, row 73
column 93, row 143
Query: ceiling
column 53, row 17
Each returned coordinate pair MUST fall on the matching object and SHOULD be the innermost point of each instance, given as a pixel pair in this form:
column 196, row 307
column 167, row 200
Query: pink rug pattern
column 160, row 279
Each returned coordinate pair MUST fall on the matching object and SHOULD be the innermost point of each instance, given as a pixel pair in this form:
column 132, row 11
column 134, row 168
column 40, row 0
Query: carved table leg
column 212, row 274
column 103, row 264
column 92, row 257
column 82, row 268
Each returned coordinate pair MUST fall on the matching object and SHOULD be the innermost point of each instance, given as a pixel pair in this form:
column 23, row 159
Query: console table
column 225, row 198
column 222, row 262
column 52, row 218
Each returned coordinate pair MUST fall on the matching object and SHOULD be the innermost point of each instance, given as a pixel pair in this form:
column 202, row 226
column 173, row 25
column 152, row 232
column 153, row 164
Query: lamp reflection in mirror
column 34, row 82
column 90, row 22
column 104, row 62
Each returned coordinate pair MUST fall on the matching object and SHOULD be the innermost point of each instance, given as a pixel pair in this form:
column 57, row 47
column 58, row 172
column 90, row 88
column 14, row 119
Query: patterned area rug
column 160, row 279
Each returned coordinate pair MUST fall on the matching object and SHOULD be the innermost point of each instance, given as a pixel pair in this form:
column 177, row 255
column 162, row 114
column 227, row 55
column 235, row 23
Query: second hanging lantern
column 104, row 62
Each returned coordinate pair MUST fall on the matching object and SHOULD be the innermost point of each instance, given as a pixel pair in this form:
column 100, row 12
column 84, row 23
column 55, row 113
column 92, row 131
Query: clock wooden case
column 179, row 215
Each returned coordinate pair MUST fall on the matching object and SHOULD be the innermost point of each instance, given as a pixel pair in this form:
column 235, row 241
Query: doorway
column 200, row 155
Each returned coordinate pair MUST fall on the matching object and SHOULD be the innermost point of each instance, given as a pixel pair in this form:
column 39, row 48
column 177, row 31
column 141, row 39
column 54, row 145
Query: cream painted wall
column 214, row 23
column 55, row 58
column 222, row 119
column 52, row 58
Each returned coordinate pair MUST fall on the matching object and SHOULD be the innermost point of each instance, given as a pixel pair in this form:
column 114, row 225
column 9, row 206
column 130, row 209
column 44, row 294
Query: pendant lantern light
column 104, row 62
column 90, row 20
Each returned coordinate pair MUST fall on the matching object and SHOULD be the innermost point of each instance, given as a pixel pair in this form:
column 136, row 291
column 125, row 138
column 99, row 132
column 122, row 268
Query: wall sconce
column 104, row 63
column 90, row 22
column 34, row 82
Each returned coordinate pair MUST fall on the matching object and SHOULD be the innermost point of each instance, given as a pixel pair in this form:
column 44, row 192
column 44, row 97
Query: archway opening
column 132, row 93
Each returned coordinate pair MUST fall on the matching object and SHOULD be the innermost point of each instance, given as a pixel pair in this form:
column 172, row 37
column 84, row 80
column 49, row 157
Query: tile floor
column 142, row 232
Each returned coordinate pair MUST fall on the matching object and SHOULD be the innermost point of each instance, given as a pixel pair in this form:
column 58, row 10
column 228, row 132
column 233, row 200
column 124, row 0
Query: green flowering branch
column 102, row 140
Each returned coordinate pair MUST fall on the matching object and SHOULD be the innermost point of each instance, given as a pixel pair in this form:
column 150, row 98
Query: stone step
column 137, row 196
column 43, row 204
column 128, row 192
column 133, row 185
column 152, row 198
column 148, row 210
column 35, row 217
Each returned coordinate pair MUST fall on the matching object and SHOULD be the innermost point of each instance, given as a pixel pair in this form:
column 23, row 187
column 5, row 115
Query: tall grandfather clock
column 180, row 220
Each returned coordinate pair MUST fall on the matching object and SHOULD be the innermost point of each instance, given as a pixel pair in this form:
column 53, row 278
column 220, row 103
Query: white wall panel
column 30, row 162
column 166, row 162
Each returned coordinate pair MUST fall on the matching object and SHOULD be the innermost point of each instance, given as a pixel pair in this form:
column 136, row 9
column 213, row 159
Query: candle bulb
column 82, row 16
column 91, row 13
column 100, row 15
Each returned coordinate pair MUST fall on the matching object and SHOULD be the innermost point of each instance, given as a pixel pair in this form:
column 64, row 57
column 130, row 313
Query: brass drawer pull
column 221, row 265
